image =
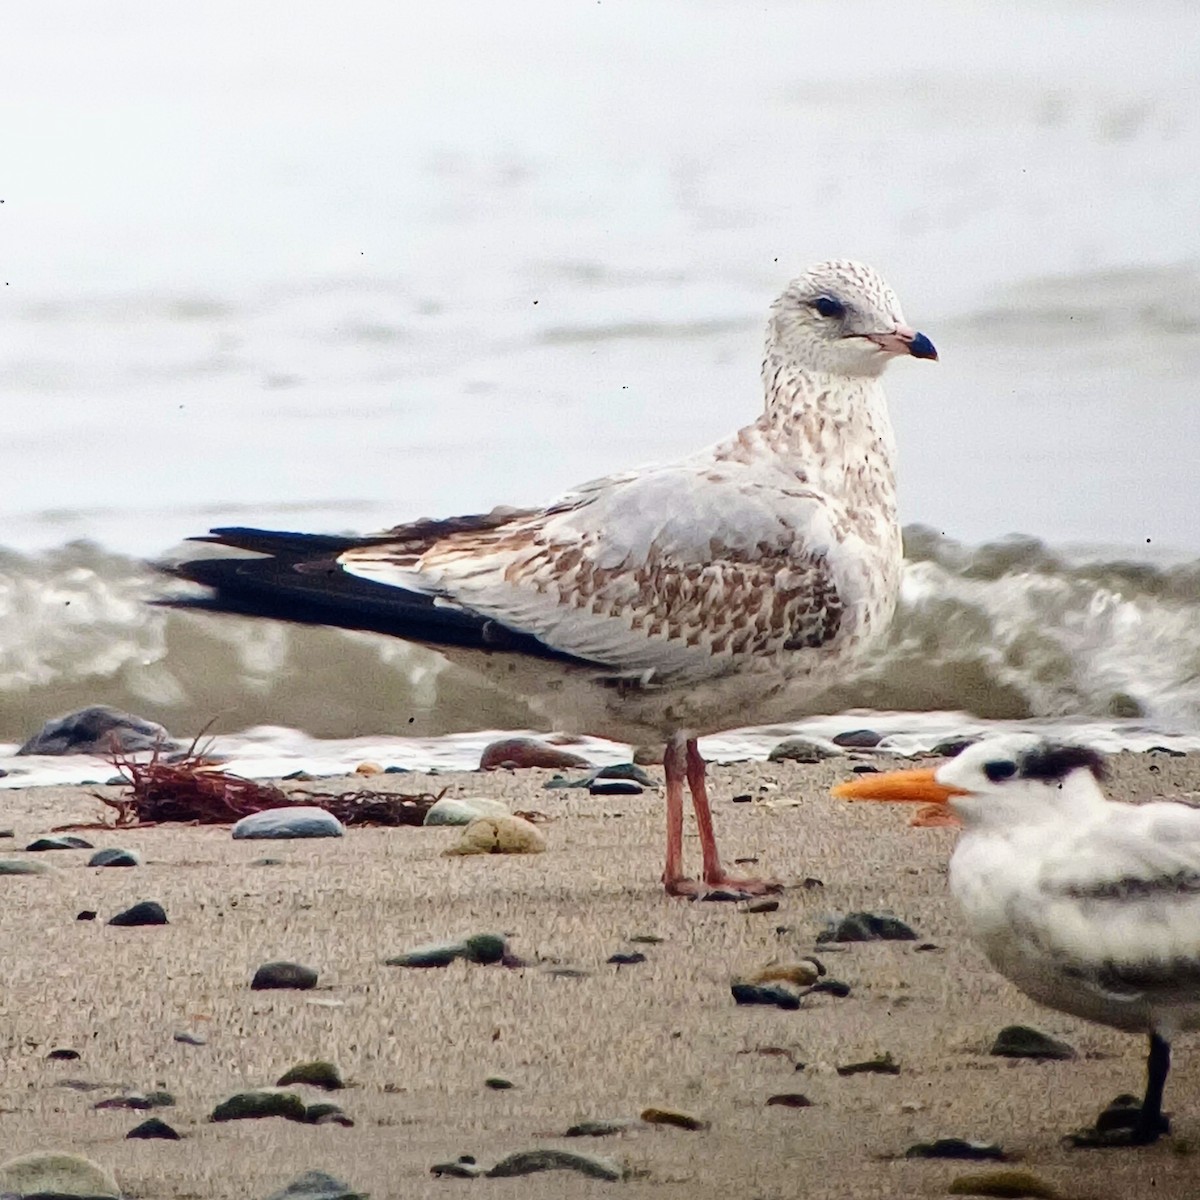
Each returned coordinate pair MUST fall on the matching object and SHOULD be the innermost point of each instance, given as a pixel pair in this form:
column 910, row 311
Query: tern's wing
column 673, row 571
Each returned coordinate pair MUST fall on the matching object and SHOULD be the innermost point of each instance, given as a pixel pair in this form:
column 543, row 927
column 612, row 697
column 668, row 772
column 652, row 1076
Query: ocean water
column 379, row 261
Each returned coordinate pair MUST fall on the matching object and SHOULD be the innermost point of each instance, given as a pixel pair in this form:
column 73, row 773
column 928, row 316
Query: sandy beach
column 415, row 1046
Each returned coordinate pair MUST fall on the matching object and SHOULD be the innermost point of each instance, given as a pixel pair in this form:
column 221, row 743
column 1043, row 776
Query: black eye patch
column 1000, row 770
column 827, row 306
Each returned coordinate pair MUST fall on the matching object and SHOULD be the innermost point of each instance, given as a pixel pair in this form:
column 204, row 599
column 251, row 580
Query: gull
column 659, row 604
column 1090, row 906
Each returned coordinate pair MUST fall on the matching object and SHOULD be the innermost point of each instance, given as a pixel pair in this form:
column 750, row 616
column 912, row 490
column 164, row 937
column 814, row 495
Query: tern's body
column 1089, row 906
column 667, row 602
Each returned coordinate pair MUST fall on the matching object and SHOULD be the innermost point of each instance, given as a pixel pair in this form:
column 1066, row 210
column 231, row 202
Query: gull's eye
column 997, row 771
column 827, row 306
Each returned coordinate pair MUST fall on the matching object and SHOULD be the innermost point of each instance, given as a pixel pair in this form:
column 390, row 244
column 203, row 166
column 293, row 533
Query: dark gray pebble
column 957, row 1148
column 463, row 1168
column 324, row 1113
column 601, row 1128
column 885, row 1064
column 111, row 856
column 762, row 905
column 864, row 769
column 59, row 843
column 138, row 1101
column 318, row 1073
column 87, row 914
column 646, row 939
column 835, row 987
column 283, row 975
column 187, row 1038
column 98, row 729
column 756, row 993
column 316, row 1185
column 146, row 912
column 953, row 747
column 527, row 1162
column 627, row 960
column 1020, row 1041
column 154, row 1128
column 497, row 1084
column 62, row 1055
column 742, row 798
column 789, row 1100
column 799, row 750
column 857, row 739
column 867, row 927
column 244, row 1106
column 615, row 787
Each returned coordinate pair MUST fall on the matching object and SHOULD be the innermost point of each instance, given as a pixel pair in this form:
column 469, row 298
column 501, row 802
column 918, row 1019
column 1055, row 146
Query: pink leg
column 715, row 877
column 675, row 764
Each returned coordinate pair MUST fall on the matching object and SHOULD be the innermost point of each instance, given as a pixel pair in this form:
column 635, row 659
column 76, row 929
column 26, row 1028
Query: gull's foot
column 721, row 887
column 1122, row 1123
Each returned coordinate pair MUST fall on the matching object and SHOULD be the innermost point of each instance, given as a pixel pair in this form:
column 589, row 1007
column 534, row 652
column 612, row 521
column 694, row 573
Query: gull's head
column 1015, row 779
column 841, row 317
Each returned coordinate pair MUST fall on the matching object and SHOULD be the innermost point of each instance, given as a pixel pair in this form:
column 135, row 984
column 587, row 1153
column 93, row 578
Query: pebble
column 462, row 810
column 153, row 1128
column 7, row 833
column 799, row 750
column 867, row 927
column 86, row 914
column 763, row 905
column 953, row 747
column 1007, row 1185
column 283, row 975
column 671, row 1116
column 59, row 843
column 297, row 821
column 601, row 1128
column 368, row 769
column 615, row 787
column 802, row 973
column 527, row 1162
column 750, row 993
column 13, row 866
column 435, row 954
column 190, row 1039
column 646, row 939
column 789, row 1100
column 54, row 1173
column 327, row 1114
column 1020, row 1041
column 741, row 798
column 518, row 753
column 857, row 739
column 463, row 1168
column 484, row 948
column 499, row 835
column 244, row 1106
column 62, row 1056
column 138, row 1101
column 497, row 1084
column 114, row 857
column 885, row 1064
column 957, row 1148
column 648, row 756
column 145, row 912
column 318, row 1073
column 316, row 1185
column 832, row 987
column 98, row 729
column 627, row 960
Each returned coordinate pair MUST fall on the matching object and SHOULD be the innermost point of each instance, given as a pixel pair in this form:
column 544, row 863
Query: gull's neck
column 831, row 431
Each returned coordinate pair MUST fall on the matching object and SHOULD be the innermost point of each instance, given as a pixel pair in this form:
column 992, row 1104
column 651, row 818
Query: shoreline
column 416, row 1045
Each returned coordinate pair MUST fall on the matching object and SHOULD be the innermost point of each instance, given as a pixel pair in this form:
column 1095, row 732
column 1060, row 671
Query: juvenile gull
column 663, row 603
column 1089, row 906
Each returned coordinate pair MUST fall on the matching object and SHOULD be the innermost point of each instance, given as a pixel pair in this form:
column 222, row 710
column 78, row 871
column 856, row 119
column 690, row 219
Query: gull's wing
column 672, row 571
column 1120, row 902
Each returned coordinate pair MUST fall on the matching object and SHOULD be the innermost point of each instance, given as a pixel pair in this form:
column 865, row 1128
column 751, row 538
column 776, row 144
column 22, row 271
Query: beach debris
column 1006, row 1185
column 519, row 753
column 188, row 1038
column 298, row 821
column 674, row 1118
column 867, row 927
column 145, row 912
column 18, row 866
column 499, row 835
column 42, row 844
column 253, row 1106
column 498, row 1084
column 113, row 856
column 55, row 1173
column 802, row 973
column 318, row 1073
column 1022, row 1041
column 191, row 788
column 800, row 750
column 602, row 1128
column 138, row 1101
column 646, row 939
column 482, row 948
column 98, row 729
column 462, row 810
column 464, row 1167
column 627, row 960
column 959, row 1148
column 789, row 1100
column 857, row 739
column 325, row 1113
column 528, row 1162
column 751, row 993
column 316, row 1185
column 283, row 975
column 764, row 904
column 830, row 987
column 153, row 1128
column 885, row 1064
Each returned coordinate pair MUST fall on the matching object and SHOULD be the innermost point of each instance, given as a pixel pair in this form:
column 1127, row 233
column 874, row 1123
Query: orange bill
column 915, row 786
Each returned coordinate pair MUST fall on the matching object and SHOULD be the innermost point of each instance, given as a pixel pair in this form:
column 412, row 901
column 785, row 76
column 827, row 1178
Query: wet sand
column 416, row 1046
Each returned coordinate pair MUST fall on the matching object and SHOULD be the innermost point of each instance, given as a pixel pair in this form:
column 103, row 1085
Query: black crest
column 1052, row 763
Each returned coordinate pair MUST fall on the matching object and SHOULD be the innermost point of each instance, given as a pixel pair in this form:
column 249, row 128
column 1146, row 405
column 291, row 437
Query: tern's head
column 1016, row 779
column 842, row 318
